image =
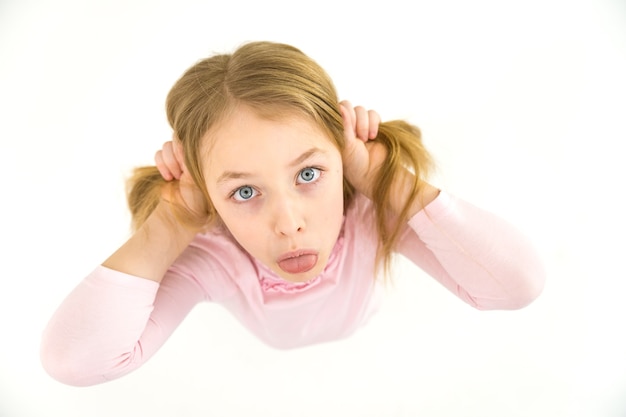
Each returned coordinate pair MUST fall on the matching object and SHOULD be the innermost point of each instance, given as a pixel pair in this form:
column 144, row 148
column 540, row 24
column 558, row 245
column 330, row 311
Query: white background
column 523, row 105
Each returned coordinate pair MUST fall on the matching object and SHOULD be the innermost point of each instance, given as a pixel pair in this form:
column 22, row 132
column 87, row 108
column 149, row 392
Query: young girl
column 282, row 204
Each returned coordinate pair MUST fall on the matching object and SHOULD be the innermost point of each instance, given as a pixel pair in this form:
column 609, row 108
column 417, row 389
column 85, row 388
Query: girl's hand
column 171, row 164
column 361, row 156
column 170, row 161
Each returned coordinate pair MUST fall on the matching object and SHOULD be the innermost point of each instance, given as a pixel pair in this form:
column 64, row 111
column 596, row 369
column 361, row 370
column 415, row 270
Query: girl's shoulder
column 360, row 206
column 219, row 244
column 216, row 262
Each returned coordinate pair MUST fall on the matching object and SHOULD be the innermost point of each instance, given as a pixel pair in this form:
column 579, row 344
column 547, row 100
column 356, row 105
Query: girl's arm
column 153, row 247
column 478, row 256
column 162, row 237
column 112, row 323
column 119, row 315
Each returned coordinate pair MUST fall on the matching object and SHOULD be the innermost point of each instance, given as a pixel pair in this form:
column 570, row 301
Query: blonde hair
column 274, row 80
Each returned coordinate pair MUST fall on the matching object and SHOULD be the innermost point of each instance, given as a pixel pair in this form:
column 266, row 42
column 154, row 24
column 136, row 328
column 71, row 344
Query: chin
column 301, row 277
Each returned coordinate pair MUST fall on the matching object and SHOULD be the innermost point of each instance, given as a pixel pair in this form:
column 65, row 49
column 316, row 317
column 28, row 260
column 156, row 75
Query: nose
column 288, row 217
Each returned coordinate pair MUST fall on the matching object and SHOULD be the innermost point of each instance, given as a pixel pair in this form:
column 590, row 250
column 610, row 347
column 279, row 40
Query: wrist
column 167, row 222
column 150, row 251
column 402, row 191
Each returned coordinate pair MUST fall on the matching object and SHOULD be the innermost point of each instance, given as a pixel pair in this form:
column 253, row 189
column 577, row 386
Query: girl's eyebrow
column 306, row 155
column 233, row 175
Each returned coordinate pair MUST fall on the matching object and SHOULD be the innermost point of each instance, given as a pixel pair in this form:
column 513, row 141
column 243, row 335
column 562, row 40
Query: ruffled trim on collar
column 270, row 282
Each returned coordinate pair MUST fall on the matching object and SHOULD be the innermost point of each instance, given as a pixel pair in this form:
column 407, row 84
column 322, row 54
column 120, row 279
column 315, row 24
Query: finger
column 349, row 111
column 374, row 120
column 179, row 154
column 362, row 128
column 349, row 119
column 160, row 164
column 170, row 160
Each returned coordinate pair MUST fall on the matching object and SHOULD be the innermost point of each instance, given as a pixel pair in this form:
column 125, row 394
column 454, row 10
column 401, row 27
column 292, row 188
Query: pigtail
column 143, row 193
column 405, row 151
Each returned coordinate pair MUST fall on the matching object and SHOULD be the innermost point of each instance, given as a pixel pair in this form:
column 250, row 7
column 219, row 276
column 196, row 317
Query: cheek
column 247, row 233
column 227, row 215
column 241, row 220
column 331, row 205
column 232, row 216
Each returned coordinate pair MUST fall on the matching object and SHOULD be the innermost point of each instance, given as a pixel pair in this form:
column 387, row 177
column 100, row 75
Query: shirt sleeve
column 112, row 323
column 478, row 256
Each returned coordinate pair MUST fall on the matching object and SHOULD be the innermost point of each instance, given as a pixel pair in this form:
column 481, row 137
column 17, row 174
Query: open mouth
column 297, row 262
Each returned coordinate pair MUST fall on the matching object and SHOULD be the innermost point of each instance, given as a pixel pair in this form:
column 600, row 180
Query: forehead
column 245, row 134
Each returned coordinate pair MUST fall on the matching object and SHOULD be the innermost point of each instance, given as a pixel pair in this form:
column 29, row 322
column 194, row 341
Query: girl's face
column 278, row 187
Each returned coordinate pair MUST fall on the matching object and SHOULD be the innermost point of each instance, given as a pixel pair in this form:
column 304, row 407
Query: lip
column 298, row 261
column 296, row 253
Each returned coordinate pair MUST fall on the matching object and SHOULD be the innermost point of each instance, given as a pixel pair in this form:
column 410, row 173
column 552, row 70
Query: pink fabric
column 113, row 322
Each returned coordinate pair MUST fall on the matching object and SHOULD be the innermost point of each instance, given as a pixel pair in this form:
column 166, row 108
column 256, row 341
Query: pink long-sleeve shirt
column 112, row 322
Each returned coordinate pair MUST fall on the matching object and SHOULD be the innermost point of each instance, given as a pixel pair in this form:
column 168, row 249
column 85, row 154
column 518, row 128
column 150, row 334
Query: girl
column 282, row 204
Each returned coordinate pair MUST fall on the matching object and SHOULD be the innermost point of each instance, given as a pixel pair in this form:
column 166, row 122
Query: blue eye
column 244, row 193
column 308, row 175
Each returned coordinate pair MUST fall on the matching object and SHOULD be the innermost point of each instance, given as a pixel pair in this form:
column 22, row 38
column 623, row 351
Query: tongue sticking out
column 298, row 264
